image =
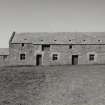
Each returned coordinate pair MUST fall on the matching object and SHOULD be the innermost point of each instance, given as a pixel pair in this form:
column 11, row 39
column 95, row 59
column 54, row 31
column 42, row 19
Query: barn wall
column 83, row 52
column 63, row 51
column 17, row 49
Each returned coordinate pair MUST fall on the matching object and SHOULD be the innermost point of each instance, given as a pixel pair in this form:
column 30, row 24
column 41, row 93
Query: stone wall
column 17, row 49
column 64, row 54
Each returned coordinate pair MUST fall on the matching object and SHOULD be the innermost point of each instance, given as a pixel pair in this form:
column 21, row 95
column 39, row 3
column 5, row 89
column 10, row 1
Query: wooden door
column 39, row 59
column 74, row 59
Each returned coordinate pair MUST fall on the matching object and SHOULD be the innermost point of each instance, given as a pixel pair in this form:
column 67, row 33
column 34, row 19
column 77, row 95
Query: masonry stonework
column 55, row 49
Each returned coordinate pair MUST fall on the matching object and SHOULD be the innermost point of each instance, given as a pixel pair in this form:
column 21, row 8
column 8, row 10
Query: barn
column 57, row 48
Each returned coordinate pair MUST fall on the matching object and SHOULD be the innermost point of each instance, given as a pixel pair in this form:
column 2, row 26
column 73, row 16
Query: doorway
column 38, row 59
column 74, row 59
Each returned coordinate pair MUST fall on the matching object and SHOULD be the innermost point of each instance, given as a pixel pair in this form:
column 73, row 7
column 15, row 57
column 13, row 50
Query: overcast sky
column 50, row 15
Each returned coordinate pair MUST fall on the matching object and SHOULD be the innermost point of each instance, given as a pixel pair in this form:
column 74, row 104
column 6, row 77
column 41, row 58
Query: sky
column 50, row 16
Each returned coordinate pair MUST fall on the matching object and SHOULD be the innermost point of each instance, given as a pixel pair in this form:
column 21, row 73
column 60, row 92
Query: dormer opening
column 22, row 44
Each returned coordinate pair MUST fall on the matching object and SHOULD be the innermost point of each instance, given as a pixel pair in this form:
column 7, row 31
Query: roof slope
column 4, row 51
column 60, row 38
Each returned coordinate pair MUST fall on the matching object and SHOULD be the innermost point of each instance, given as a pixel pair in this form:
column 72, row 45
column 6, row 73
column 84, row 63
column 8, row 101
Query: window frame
column 55, row 56
column 91, row 57
column 22, row 56
column 70, row 46
column 22, row 44
column 46, row 47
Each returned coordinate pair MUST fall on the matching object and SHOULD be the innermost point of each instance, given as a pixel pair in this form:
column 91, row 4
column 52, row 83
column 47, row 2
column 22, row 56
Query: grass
column 53, row 85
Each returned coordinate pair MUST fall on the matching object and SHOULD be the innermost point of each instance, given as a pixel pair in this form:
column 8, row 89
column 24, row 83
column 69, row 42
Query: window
column 46, row 47
column 5, row 57
column 55, row 57
column 91, row 57
column 70, row 46
column 22, row 56
column 22, row 44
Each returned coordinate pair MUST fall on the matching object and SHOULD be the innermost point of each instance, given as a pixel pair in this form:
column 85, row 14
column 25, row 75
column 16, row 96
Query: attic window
column 84, row 40
column 22, row 44
column 55, row 40
column 41, row 40
column 98, row 40
column 70, row 40
column 45, row 47
column 70, row 46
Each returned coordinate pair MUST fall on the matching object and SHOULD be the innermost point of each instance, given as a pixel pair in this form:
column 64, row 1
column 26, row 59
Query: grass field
column 53, row 85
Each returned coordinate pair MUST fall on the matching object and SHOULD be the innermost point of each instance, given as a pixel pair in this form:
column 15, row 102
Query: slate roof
column 4, row 51
column 60, row 38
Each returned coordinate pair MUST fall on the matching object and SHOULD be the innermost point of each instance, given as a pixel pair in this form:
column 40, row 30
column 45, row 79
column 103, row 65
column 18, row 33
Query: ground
column 53, row 85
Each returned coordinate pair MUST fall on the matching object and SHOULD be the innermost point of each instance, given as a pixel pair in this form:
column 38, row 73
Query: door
column 39, row 59
column 74, row 59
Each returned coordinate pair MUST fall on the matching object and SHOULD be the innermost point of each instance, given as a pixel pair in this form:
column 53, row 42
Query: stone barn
column 57, row 48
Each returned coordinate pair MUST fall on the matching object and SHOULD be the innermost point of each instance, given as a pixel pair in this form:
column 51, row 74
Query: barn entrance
column 74, row 59
column 38, row 59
